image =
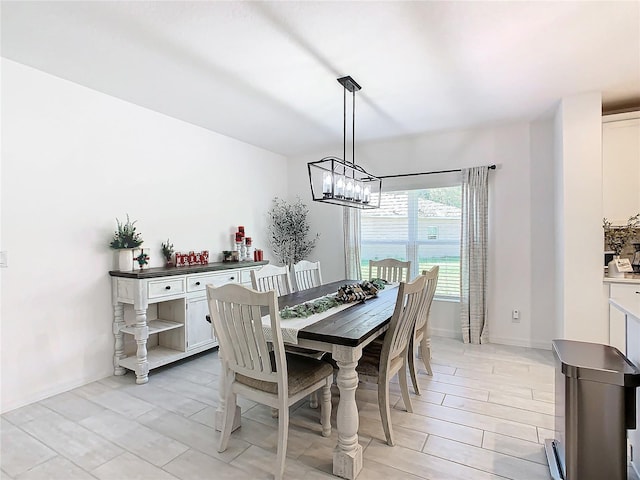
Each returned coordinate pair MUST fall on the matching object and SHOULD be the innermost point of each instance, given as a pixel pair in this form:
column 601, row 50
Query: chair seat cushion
column 302, row 372
column 369, row 363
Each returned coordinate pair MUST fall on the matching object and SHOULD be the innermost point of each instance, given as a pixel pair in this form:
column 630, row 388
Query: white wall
column 511, row 249
column 542, row 245
column 582, row 296
column 74, row 159
column 324, row 219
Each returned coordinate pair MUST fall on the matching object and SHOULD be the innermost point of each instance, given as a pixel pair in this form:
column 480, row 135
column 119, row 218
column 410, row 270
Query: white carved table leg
column 141, row 335
column 347, row 456
column 221, row 398
column 118, row 323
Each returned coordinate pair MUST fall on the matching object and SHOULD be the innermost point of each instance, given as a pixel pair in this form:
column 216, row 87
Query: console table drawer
column 165, row 288
column 628, row 292
column 196, row 284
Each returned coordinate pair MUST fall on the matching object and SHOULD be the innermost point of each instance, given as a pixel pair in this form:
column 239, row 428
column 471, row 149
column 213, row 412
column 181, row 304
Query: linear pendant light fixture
column 339, row 182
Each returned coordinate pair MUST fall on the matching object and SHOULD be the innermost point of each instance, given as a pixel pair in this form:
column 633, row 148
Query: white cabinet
column 199, row 331
column 621, row 166
column 176, row 327
column 624, row 290
column 626, row 300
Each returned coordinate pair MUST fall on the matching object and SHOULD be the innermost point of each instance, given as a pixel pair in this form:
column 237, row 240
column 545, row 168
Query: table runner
column 291, row 326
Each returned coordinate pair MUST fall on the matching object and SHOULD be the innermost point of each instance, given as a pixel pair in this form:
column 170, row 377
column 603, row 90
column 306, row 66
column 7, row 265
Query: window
column 418, row 225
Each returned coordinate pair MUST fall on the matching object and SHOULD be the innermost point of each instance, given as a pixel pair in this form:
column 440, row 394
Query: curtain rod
column 491, row 167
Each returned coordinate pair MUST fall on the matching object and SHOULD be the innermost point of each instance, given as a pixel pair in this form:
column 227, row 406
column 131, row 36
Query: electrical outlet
column 515, row 314
column 4, row 260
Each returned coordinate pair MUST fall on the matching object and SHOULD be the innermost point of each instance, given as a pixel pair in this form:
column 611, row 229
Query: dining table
column 343, row 334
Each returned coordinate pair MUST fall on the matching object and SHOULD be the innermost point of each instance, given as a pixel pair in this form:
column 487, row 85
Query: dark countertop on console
column 169, row 271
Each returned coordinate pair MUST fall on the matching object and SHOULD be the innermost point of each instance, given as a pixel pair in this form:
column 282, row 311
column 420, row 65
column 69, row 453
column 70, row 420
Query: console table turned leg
column 347, row 456
column 118, row 323
column 141, row 335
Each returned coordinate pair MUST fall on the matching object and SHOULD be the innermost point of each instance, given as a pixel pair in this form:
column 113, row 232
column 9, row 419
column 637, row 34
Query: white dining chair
column 275, row 278
column 421, row 335
column 306, row 275
column 271, row 277
column 269, row 377
column 387, row 356
column 390, row 269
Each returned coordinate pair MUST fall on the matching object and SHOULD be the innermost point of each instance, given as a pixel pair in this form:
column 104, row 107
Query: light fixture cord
column 353, row 136
column 344, row 129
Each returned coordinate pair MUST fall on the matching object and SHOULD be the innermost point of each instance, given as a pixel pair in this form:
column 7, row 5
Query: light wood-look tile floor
column 483, row 415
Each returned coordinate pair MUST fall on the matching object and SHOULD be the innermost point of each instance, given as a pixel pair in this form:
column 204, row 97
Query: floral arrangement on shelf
column 617, row 237
column 126, row 236
column 346, row 294
column 289, row 230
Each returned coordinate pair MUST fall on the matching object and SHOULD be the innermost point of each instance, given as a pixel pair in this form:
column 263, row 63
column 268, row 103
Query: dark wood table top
column 351, row 326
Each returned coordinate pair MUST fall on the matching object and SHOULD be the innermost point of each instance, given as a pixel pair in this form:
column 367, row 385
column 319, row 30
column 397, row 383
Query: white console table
column 180, row 297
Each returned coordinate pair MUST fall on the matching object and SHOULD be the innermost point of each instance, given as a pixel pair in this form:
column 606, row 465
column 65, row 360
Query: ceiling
column 265, row 72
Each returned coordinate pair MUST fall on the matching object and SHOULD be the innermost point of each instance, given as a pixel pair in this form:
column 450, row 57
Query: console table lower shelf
column 159, row 356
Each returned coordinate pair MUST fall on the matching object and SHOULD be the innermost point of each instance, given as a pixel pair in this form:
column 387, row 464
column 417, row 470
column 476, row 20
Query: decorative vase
column 125, row 259
column 612, row 268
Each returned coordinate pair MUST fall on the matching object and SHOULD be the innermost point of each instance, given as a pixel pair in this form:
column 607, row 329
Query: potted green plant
column 167, row 252
column 125, row 241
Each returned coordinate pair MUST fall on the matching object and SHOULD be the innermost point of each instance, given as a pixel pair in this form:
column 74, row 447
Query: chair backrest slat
column 390, row 269
column 432, row 283
column 411, row 296
column 307, row 275
column 236, row 312
column 271, row 277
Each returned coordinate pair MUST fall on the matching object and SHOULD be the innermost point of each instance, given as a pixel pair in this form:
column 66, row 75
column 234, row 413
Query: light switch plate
column 4, row 259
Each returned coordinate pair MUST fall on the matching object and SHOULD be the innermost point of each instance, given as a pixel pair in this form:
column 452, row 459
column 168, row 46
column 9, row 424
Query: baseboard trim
column 50, row 392
column 445, row 332
column 520, row 342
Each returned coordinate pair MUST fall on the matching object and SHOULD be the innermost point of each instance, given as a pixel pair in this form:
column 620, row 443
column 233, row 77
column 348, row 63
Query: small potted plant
column 125, row 241
column 167, row 252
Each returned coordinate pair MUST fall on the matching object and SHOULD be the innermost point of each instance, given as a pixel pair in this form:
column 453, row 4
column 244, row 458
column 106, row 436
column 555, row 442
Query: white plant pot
column 612, row 269
column 125, row 259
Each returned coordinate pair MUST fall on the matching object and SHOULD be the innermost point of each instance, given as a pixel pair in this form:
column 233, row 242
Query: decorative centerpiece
column 616, row 239
column 356, row 292
column 125, row 241
column 289, row 230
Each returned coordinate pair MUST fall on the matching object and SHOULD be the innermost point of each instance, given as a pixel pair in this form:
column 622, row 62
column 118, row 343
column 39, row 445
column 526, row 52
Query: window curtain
column 351, row 227
column 473, row 255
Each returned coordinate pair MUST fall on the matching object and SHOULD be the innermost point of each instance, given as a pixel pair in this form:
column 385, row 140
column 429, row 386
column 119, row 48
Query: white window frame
column 410, row 184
